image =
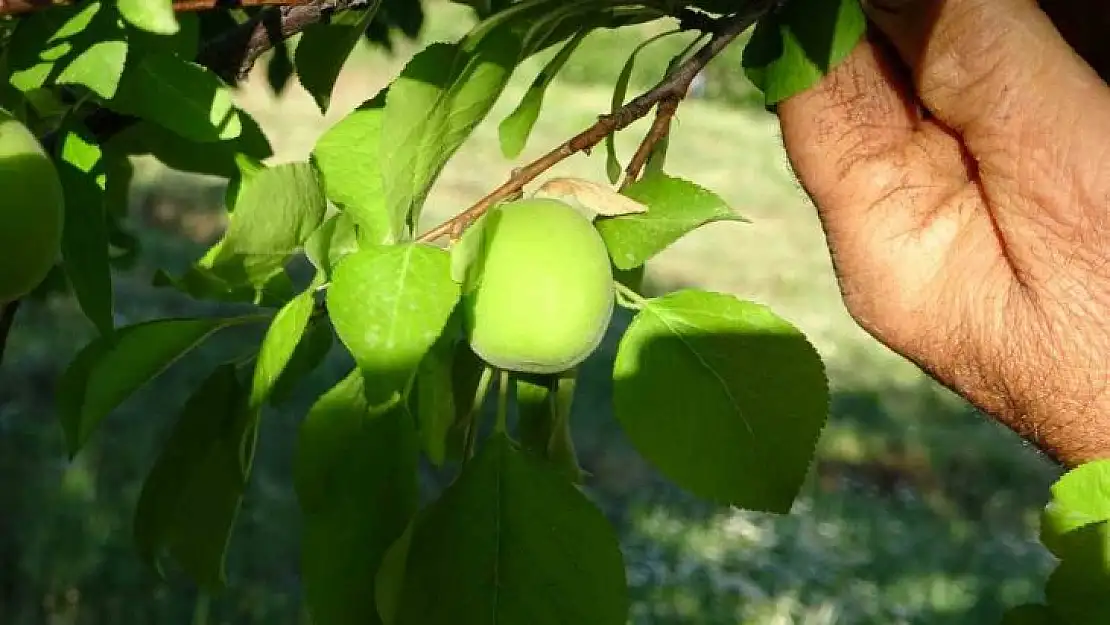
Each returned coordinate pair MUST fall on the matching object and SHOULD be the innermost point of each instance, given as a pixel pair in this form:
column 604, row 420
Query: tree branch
column 232, row 56
column 659, row 129
column 672, row 89
column 18, row 7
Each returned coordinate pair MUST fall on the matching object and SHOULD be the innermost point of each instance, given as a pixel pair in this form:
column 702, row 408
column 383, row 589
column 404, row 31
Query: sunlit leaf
column 675, row 208
column 181, row 96
column 432, row 107
column 1081, row 497
column 515, row 129
column 156, row 16
column 279, row 344
column 350, row 158
column 793, row 48
column 389, row 304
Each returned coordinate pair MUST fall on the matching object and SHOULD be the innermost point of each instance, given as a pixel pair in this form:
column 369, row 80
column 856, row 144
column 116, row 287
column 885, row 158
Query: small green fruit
column 31, row 210
column 543, row 293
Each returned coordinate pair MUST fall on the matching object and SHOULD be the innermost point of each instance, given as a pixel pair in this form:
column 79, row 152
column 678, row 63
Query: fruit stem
column 473, row 422
column 502, row 426
column 628, row 298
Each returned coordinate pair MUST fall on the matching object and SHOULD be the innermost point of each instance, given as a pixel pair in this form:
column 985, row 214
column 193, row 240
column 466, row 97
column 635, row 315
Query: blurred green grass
column 919, row 510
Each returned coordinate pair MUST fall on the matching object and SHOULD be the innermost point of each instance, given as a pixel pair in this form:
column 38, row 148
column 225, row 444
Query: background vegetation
column 918, row 511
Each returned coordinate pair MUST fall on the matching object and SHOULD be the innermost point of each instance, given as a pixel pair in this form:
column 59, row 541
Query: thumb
column 989, row 68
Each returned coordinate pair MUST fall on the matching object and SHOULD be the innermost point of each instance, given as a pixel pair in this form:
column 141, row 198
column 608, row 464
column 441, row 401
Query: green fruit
column 31, row 210
column 542, row 295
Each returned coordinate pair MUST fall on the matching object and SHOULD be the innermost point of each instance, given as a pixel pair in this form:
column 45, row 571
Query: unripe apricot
column 31, row 210
column 544, row 288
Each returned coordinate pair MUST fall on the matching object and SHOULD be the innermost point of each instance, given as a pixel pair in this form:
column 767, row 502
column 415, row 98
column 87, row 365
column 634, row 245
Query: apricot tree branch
column 673, row 88
column 659, row 130
column 232, row 55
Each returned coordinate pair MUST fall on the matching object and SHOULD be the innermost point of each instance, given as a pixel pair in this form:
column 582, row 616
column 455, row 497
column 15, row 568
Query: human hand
column 960, row 165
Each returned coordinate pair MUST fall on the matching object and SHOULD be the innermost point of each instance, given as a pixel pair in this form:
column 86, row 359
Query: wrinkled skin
column 957, row 160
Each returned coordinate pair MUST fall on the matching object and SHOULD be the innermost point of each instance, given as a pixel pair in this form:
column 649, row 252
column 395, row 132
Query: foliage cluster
column 722, row 395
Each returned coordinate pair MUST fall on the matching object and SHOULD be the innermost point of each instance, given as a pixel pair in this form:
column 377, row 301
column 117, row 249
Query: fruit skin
column 543, row 293
column 31, row 210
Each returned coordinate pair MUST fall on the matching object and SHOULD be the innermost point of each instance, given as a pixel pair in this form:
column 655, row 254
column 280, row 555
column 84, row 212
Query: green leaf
column 193, row 493
column 511, row 541
column 722, row 396
column 391, row 577
column 84, row 45
column 323, row 50
column 276, row 211
column 202, row 283
column 544, row 404
column 434, row 395
column 389, row 304
column 1079, row 589
column 515, row 129
column 431, row 109
column 184, row 43
column 792, row 49
column 279, row 345
column 620, row 91
column 155, row 16
column 356, row 479
column 109, row 369
column 1080, row 498
column 179, row 95
column 675, row 207
column 81, row 168
column 176, row 152
column 309, row 354
column 279, row 70
column 349, row 157
column 333, row 241
column 98, row 68
column 467, row 258
column 1030, row 614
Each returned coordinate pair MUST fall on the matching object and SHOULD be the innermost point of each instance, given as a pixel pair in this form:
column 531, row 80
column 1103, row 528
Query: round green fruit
column 31, row 210
column 543, row 291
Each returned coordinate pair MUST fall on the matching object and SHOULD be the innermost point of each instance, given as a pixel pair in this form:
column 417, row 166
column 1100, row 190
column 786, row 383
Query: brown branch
column 245, row 44
column 664, row 114
column 18, row 7
column 673, row 88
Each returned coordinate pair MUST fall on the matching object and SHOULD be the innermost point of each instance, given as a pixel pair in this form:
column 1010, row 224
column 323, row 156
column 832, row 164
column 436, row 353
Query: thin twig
column 7, row 318
column 18, row 7
column 664, row 114
column 233, row 55
column 674, row 88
